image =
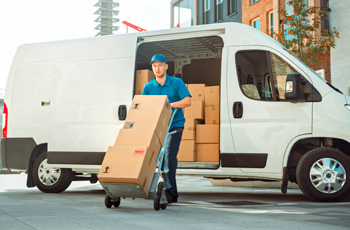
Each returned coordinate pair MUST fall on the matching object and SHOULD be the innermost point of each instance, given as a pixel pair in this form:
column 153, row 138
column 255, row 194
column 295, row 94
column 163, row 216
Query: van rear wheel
column 323, row 174
column 48, row 179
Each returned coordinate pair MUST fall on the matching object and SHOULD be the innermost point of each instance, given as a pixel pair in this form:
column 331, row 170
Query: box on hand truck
column 129, row 167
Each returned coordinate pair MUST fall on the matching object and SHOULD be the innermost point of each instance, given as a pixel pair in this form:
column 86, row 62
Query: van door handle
column 237, row 109
column 122, row 112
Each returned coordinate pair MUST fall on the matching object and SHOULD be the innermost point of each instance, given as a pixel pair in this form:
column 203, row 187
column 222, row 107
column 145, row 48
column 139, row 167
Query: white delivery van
column 66, row 101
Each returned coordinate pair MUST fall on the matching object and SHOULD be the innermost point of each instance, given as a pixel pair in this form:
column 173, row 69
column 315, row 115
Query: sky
column 33, row 21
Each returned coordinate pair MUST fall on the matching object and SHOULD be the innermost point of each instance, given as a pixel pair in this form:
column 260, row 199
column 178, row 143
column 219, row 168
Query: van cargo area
column 195, row 61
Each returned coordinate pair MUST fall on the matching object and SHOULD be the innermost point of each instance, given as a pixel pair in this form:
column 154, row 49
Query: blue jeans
column 170, row 161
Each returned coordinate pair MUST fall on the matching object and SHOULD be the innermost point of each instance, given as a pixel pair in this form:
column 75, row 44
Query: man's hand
column 181, row 104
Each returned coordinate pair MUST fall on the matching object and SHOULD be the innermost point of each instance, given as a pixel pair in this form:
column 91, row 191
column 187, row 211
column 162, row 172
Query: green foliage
column 301, row 25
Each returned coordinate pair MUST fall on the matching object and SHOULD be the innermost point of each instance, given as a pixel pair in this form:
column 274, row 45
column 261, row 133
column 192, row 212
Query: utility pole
column 107, row 12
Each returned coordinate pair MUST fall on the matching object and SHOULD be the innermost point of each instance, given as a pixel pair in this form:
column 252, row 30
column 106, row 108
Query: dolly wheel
column 108, row 202
column 163, row 206
column 116, row 203
column 156, row 203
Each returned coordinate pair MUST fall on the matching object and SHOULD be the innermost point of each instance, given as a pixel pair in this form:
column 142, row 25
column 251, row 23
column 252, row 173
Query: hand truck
column 157, row 188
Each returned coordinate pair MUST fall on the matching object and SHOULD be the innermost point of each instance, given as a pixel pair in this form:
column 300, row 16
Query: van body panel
column 331, row 117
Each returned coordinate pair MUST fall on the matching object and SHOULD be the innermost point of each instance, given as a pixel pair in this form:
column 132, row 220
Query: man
column 179, row 97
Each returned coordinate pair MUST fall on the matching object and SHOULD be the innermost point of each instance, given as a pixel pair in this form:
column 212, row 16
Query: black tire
column 163, row 206
column 116, row 203
column 160, row 188
column 108, row 202
column 50, row 180
column 320, row 182
column 156, row 203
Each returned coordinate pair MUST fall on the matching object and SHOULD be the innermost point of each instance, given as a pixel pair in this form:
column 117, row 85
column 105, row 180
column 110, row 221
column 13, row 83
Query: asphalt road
column 201, row 206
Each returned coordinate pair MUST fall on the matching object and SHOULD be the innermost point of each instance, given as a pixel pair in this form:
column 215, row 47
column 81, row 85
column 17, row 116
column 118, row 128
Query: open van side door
column 262, row 122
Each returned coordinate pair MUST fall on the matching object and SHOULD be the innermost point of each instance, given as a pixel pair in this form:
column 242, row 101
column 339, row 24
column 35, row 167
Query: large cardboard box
column 150, row 103
column 151, row 112
column 197, row 91
column 196, row 110
column 187, row 151
column 212, row 96
column 136, row 137
column 142, row 77
column 212, row 114
column 207, row 134
column 189, row 132
column 130, row 165
column 157, row 121
column 207, row 152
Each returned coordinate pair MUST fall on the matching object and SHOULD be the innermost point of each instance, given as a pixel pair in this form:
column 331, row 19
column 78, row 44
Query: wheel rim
column 328, row 175
column 47, row 175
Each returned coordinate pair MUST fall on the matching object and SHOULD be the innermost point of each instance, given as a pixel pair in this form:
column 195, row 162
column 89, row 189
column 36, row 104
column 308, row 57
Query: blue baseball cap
column 158, row 57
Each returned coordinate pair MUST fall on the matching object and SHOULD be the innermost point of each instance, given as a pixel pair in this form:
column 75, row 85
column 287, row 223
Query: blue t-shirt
column 175, row 89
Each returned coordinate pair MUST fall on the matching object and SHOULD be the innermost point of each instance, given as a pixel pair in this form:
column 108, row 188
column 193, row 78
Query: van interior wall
column 207, row 71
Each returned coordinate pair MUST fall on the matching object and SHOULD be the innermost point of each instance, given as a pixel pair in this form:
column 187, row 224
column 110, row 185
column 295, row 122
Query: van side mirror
column 299, row 89
column 294, row 87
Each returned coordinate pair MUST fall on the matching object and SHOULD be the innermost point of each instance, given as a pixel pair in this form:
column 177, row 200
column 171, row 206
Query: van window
column 262, row 75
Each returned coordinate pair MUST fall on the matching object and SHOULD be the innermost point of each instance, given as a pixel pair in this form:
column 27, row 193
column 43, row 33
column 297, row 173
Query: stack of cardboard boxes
column 132, row 159
column 207, row 137
column 200, row 142
column 194, row 115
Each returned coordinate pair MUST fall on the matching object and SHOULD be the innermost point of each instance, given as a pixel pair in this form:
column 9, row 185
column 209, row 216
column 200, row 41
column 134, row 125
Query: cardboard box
column 212, row 96
column 136, row 137
column 150, row 112
column 157, row 121
column 197, row 91
column 149, row 103
column 189, row 132
column 212, row 114
column 207, row 152
column 130, row 165
column 142, row 77
column 196, row 110
column 207, row 134
column 187, row 151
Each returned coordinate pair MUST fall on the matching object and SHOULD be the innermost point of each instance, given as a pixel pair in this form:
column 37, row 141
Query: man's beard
column 161, row 76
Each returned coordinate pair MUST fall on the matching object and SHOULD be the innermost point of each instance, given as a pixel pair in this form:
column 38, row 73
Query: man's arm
column 181, row 104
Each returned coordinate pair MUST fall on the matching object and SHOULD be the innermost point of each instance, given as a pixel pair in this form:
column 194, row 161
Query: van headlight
column 347, row 106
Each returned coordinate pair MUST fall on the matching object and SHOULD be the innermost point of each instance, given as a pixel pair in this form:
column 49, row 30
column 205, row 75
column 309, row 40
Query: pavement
column 201, row 206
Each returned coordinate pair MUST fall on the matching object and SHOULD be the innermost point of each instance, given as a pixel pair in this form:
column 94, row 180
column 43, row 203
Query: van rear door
column 262, row 122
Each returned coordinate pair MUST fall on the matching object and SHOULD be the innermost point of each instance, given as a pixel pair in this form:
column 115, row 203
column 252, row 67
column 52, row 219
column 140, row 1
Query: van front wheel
column 323, row 174
column 48, row 179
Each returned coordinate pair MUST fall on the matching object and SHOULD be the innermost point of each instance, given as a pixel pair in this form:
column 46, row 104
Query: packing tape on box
column 129, row 125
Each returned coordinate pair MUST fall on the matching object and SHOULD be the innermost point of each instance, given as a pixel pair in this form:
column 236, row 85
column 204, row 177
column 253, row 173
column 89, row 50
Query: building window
column 256, row 23
column 254, row 1
column 206, row 18
column 271, row 23
column 325, row 16
column 232, row 6
column 219, row 10
column 183, row 13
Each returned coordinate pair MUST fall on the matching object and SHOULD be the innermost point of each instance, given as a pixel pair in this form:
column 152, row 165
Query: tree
column 300, row 28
